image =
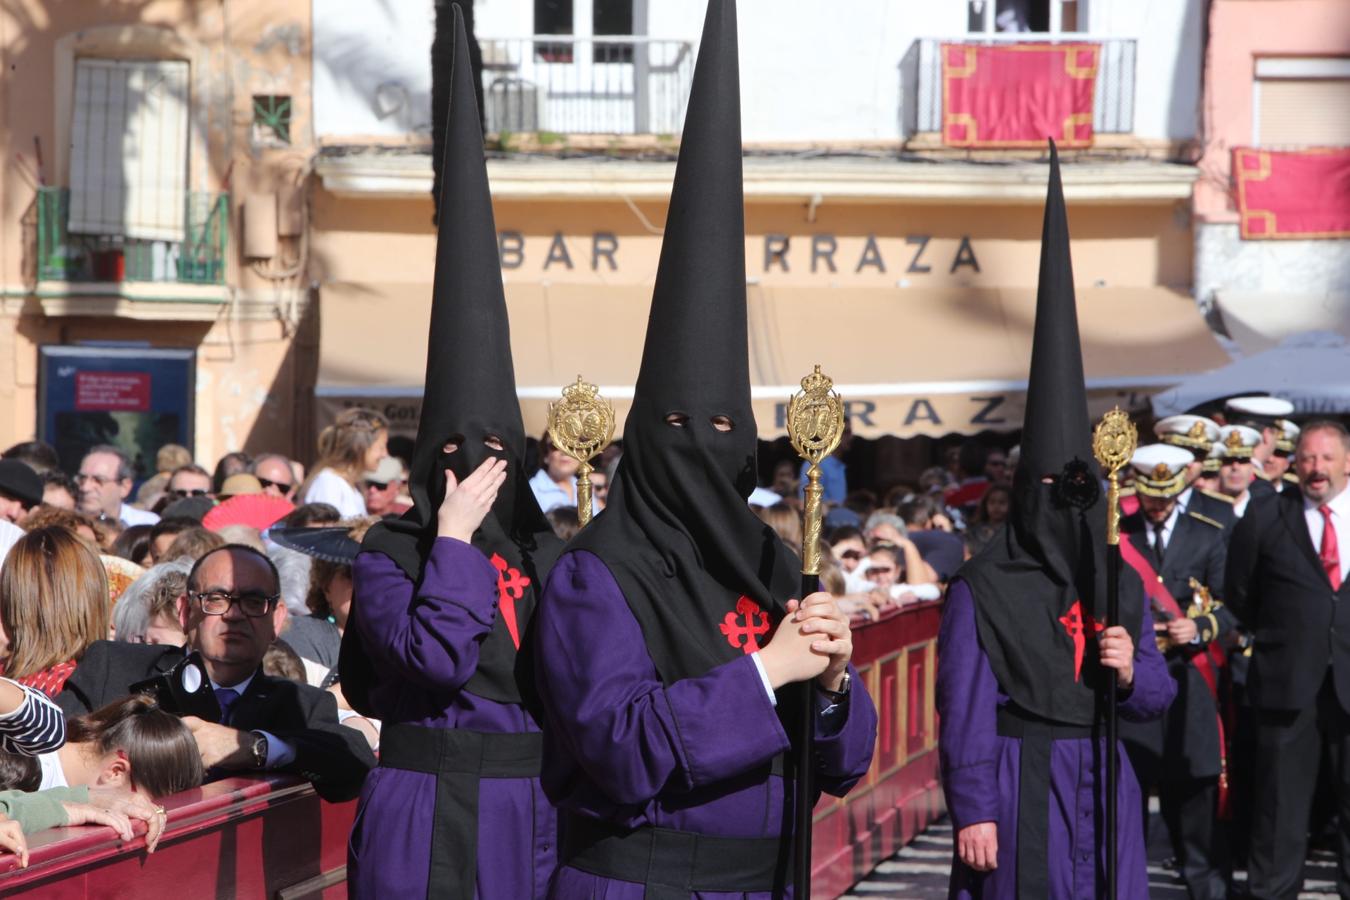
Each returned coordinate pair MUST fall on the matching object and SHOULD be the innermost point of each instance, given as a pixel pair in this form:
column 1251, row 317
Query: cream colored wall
column 1240, row 31
column 246, row 361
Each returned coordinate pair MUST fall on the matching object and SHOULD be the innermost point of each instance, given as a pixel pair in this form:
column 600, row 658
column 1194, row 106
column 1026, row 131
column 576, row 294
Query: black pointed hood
column 469, row 397
column 678, row 534
column 1056, row 436
column 1047, row 568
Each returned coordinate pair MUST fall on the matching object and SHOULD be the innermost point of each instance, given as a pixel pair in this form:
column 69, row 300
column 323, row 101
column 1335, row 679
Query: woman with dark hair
column 989, row 516
column 134, row 544
column 131, row 744
column 53, row 605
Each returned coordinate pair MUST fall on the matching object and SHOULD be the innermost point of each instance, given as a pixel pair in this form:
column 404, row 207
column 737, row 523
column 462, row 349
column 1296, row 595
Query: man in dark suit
column 1183, row 753
column 1197, row 435
column 1286, row 576
column 231, row 614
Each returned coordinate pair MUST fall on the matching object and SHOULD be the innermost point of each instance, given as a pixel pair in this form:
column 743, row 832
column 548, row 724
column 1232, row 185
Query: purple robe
column 621, row 746
column 980, row 770
column 425, row 649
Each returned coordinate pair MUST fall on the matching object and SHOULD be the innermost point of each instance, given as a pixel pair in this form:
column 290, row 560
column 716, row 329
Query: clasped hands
column 812, row 641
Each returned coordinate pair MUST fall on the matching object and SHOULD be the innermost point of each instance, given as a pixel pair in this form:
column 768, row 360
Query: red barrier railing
column 900, row 795
column 239, row 837
column 273, row 837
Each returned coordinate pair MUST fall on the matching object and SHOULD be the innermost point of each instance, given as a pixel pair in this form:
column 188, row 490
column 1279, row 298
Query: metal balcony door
column 129, row 137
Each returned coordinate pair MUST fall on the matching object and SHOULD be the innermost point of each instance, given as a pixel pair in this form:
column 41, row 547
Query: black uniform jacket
column 1279, row 591
column 1215, row 507
column 331, row 756
column 1187, row 737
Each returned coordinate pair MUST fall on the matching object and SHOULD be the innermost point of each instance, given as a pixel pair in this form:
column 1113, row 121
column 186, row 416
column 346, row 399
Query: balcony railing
column 1113, row 103
column 199, row 258
column 593, row 85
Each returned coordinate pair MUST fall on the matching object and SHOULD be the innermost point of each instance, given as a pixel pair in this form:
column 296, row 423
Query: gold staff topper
column 581, row 425
column 815, row 421
column 1113, row 443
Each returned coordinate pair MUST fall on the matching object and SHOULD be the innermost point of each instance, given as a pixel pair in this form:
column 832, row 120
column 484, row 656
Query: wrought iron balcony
column 1113, row 98
column 592, row 85
column 199, row 258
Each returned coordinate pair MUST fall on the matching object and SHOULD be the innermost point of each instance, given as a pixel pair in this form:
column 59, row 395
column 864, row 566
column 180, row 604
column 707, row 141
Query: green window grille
column 199, row 258
column 272, row 118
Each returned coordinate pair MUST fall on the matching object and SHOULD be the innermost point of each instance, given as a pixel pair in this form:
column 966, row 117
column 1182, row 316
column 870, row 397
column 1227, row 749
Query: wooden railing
column 272, row 837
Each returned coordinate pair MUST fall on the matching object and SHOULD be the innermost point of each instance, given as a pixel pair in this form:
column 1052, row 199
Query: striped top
column 37, row 726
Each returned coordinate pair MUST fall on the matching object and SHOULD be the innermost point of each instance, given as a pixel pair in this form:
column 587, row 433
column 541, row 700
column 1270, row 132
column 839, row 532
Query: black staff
column 815, row 422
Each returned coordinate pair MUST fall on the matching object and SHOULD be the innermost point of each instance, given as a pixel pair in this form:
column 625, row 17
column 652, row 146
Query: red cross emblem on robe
column 744, row 626
column 1077, row 624
column 511, row 587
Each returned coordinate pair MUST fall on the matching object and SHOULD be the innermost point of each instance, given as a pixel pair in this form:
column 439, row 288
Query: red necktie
column 1330, row 553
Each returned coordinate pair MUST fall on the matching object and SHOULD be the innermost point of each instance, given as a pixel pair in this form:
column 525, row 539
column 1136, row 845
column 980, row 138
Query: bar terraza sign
column 815, row 254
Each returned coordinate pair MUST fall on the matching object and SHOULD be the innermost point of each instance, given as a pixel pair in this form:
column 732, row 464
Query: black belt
column 672, row 864
column 458, row 759
column 1033, row 794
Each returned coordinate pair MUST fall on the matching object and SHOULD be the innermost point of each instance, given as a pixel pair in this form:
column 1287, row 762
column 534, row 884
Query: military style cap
column 1214, row 460
column 1191, row 432
column 1160, row 470
column 1238, row 441
column 1284, row 444
column 1257, row 411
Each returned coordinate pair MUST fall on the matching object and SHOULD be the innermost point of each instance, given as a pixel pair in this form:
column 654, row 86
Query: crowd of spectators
column 109, row 586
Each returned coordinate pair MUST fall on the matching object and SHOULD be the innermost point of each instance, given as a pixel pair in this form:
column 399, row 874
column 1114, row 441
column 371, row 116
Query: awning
column 1311, row 371
column 908, row 362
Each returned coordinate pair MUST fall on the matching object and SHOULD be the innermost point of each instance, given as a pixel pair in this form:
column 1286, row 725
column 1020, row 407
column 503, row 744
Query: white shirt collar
column 1340, row 504
column 241, row 688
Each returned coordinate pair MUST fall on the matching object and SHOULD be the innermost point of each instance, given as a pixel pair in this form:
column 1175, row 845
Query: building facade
column 893, row 227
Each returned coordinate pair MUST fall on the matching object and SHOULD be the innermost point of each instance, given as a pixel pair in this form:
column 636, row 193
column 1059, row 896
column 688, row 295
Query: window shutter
column 128, row 164
column 1302, row 112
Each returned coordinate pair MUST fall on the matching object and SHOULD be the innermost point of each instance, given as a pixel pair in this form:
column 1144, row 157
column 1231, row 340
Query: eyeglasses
column 182, row 493
column 266, row 483
column 253, row 603
column 99, row 480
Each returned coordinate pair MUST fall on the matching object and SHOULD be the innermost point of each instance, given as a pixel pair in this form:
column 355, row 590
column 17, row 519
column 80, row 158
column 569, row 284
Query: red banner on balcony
column 1017, row 95
column 1297, row 194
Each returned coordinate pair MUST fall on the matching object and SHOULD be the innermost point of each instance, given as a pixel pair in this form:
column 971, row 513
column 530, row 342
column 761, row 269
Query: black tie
column 1159, row 545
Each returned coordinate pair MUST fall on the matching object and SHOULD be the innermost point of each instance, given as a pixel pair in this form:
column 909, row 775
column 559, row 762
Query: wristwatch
column 259, row 749
column 839, row 695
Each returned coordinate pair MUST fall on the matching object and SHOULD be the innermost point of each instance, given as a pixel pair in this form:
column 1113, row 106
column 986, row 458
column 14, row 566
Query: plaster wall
column 1240, row 32
column 245, row 368
column 811, row 70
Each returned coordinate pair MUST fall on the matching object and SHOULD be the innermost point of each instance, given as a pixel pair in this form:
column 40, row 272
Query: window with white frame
column 1301, row 102
column 1037, row 16
column 129, row 148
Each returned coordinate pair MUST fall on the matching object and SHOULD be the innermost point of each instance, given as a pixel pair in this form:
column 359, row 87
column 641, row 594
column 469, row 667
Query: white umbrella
column 1310, row 370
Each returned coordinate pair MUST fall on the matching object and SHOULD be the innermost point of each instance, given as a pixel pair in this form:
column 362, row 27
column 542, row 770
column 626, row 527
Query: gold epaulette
column 1260, row 473
column 1290, row 477
column 1216, row 495
column 1203, row 518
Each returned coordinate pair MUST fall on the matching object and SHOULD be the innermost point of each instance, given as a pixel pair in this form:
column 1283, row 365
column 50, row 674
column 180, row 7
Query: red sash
column 1207, row 662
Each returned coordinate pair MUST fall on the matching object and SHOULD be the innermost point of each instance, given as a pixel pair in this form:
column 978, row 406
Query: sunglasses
column 376, row 485
column 182, row 493
column 282, row 486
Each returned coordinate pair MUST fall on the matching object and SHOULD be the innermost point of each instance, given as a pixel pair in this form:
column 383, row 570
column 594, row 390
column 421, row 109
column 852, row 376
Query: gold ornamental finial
column 1113, row 443
column 815, row 421
column 581, row 425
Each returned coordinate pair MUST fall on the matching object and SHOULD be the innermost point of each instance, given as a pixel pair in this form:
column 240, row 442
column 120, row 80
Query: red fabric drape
column 1293, row 194
column 1017, row 95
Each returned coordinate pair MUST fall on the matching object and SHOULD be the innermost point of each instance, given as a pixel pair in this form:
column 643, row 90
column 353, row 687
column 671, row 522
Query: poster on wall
column 135, row 398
